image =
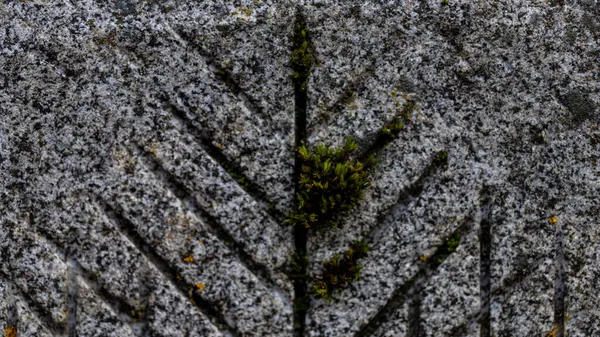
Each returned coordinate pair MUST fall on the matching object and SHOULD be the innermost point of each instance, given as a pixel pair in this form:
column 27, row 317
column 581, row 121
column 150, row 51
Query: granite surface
column 147, row 165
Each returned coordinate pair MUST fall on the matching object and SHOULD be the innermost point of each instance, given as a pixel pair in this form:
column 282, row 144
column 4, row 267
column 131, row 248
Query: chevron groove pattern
column 178, row 234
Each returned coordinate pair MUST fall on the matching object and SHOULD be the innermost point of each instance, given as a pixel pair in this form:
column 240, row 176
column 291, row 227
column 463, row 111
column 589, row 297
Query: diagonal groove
column 410, row 287
column 499, row 293
column 44, row 319
column 407, row 194
column 485, row 250
column 76, row 270
column 235, row 172
column 337, row 108
column 179, row 190
column 123, row 309
column 127, row 229
column 223, row 75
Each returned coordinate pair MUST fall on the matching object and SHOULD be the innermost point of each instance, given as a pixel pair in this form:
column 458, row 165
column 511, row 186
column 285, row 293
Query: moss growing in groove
column 330, row 184
column 339, row 271
column 302, row 59
column 448, row 247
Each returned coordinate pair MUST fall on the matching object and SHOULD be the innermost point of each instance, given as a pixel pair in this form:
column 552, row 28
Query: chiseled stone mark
column 336, row 109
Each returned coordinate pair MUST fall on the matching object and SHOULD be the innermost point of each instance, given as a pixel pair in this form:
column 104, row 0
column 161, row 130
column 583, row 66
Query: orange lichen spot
column 553, row 332
column 220, row 145
column 200, row 286
column 201, row 242
column 552, row 220
column 189, row 259
column 153, row 149
column 423, row 258
column 11, row 331
column 65, row 313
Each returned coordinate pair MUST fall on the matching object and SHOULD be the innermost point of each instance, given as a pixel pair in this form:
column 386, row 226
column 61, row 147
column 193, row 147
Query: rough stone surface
column 147, row 167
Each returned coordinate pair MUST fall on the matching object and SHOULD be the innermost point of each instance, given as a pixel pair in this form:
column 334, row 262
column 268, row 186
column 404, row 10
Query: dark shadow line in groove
column 407, row 194
column 118, row 306
column 498, row 294
column 72, row 297
column 235, row 172
column 127, row 229
column 402, row 293
column 74, row 270
column 381, row 140
column 300, row 232
column 43, row 317
column 559, row 285
column 222, row 74
column 179, row 190
column 485, row 250
column 414, row 311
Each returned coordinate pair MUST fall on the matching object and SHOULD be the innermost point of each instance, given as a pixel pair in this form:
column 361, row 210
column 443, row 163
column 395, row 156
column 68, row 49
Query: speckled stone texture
column 147, row 153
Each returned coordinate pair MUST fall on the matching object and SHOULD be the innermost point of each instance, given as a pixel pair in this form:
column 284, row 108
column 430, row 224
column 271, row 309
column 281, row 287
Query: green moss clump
column 302, row 59
column 448, row 247
column 441, row 158
column 330, row 184
column 339, row 271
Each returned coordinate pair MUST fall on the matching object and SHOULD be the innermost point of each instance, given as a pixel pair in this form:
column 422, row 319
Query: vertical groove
column 559, row 286
column 485, row 250
column 73, row 290
column 414, row 311
column 301, row 72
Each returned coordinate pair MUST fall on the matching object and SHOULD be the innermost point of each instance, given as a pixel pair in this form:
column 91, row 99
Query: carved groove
column 185, row 197
column 72, row 293
column 44, row 319
column 127, row 229
column 236, row 173
column 408, row 194
column 403, row 293
column 300, row 232
column 485, row 250
column 560, row 283
column 223, row 75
